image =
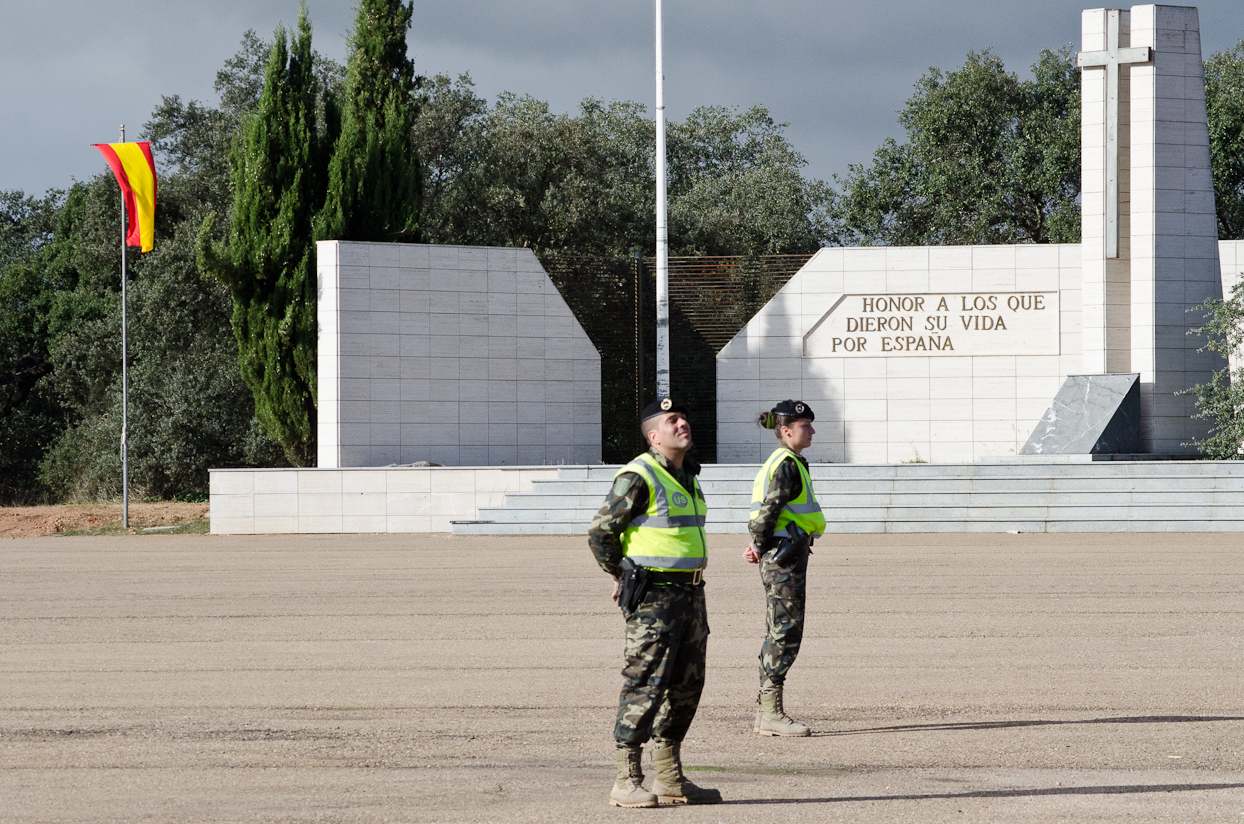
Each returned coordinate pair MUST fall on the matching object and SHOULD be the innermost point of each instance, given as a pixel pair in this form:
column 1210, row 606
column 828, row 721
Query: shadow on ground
column 1004, row 725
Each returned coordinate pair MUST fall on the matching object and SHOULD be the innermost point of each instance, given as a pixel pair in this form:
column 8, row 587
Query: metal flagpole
column 663, row 242
column 125, row 388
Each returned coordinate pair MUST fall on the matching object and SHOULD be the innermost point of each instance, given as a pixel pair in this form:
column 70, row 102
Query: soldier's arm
column 627, row 499
column 784, row 486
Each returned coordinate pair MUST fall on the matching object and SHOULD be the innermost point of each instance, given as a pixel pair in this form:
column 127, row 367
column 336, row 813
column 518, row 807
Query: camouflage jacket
column 785, row 486
column 626, row 500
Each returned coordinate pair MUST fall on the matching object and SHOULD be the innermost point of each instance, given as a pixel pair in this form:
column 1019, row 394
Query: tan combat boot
column 771, row 718
column 628, row 790
column 671, row 786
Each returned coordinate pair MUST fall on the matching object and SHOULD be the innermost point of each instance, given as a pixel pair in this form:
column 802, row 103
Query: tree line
column 299, row 148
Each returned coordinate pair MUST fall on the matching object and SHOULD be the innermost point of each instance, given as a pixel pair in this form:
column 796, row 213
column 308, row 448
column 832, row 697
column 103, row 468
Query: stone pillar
column 1106, row 324
column 1174, row 231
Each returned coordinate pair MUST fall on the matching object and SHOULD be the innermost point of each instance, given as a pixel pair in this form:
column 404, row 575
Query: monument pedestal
column 1091, row 415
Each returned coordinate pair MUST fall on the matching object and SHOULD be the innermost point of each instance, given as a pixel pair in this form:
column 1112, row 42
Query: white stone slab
column 405, row 324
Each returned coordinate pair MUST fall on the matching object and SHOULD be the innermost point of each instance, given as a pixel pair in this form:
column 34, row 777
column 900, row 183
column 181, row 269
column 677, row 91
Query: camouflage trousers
column 666, row 646
column 785, row 593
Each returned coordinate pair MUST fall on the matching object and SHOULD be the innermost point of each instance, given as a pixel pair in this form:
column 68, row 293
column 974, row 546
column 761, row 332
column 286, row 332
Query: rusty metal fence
column 719, row 295
column 606, row 297
column 711, row 299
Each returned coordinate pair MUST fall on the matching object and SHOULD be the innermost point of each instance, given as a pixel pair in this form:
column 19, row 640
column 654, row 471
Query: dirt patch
column 36, row 521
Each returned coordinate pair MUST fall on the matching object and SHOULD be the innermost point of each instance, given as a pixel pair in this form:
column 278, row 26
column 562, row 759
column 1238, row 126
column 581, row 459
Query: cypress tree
column 374, row 181
column 268, row 261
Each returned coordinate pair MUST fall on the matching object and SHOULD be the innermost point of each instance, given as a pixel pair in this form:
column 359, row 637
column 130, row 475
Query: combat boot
column 771, row 718
column 671, row 786
column 628, row 790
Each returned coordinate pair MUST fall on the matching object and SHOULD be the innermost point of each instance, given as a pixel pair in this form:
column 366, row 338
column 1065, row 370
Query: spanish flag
column 135, row 171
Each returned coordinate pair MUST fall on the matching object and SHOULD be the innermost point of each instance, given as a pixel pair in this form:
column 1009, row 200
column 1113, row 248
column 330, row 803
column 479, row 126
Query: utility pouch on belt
column 793, row 548
column 634, row 585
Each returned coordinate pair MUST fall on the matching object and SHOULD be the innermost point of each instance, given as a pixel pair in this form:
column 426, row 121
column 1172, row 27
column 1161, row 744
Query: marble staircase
column 1009, row 495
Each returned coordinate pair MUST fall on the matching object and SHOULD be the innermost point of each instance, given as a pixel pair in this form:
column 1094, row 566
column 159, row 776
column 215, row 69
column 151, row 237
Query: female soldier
column 782, row 495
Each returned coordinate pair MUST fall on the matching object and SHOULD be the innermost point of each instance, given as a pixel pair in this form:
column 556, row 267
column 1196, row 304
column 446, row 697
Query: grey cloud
column 836, row 71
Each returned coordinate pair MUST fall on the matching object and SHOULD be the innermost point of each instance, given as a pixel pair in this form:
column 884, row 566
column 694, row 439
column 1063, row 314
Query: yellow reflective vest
column 669, row 536
column 803, row 510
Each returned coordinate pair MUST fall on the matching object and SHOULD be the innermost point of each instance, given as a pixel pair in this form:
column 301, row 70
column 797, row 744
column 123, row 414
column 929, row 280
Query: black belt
column 693, row 577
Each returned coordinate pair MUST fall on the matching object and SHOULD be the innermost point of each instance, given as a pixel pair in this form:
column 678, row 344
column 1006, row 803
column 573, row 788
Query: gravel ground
column 38, row 521
column 427, row 678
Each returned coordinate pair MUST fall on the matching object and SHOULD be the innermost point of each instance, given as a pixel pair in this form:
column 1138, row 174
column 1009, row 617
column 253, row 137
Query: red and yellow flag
column 135, row 171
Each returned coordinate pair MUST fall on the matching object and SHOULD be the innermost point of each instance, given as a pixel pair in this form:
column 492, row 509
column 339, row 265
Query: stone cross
column 1111, row 59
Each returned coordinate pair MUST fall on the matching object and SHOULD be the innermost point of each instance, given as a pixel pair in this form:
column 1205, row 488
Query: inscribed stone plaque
column 953, row 324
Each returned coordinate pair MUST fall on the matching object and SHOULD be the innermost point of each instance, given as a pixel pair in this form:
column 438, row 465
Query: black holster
column 793, row 548
column 632, row 587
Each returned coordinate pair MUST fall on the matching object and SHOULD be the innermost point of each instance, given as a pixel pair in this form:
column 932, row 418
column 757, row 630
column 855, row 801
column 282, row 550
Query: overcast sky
column 837, row 71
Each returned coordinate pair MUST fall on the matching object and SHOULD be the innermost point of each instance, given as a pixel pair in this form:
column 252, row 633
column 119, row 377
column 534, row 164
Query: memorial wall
column 453, row 355
column 935, row 353
column 950, row 354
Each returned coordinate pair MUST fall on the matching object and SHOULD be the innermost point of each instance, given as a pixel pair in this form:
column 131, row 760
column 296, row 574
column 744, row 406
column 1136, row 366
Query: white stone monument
column 1165, row 260
column 951, row 354
column 457, row 355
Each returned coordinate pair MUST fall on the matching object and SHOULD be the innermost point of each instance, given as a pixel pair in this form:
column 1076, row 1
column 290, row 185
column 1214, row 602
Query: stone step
column 1026, row 497
column 954, row 512
column 1007, row 470
column 1095, row 473
column 591, row 500
column 718, row 495
column 1097, row 469
column 891, row 526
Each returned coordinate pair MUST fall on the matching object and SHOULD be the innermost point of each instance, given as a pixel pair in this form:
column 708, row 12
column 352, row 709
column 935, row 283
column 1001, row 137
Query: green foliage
column 268, row 262
column 48, row 297
column 1222, row 399
column 583, row 184
column 988, row 159
column 29, row 418
column 26, row 224
column 735, row 187
column 60, row 289
column 374, row 182
column 519, row 175
column 26, row 228
column 1224, row 98
column 193, row 142
column 189, row 409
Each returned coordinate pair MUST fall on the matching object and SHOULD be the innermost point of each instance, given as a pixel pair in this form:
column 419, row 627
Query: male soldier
column 649, row 536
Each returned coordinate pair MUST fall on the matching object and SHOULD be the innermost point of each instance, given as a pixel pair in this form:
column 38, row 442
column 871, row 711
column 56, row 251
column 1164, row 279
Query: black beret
column 660, row 406
column 794, row 409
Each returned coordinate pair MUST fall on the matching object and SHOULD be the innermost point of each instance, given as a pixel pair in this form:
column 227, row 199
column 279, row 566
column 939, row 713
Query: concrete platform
column 429, row 678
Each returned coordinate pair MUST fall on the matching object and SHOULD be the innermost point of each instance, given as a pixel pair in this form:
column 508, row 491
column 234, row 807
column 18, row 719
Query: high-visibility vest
column 669, row 536
column 802, row 510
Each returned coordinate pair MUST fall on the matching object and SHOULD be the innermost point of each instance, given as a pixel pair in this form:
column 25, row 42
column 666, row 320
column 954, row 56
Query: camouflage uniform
column 666, row 636
column 785, row 587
